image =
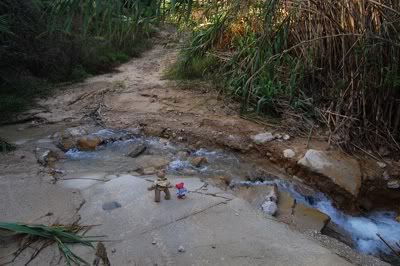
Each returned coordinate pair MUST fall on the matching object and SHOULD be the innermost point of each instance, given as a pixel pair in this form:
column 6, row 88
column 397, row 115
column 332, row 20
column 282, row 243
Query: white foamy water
column 363, row 229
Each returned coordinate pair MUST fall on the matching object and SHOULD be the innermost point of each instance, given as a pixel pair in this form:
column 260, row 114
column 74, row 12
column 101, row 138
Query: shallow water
column 362, row 229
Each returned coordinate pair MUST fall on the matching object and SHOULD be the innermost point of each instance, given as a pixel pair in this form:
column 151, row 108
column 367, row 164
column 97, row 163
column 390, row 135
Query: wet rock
column 46, row 157
column 255, row 195
column 263, row 138
column 289, row 153
column 137, row 150
column 366, row 204
column 393, row 184
column 155, row 161
column 342, row 170
column 198, row 161
column 182, row 155
column 381, row 164
column 226, row 180
column 66, row 144
column 67, row 139
column 299, row 215
column 109, row 206
column 110, row 135
column 270, row 207
column 89, row 143
column 306, row 218
column 335, row 231
column 75, row 131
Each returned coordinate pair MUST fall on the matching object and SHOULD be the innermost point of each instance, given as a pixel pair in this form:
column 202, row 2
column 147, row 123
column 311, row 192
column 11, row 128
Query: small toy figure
column 181, row 191
column 161, row 184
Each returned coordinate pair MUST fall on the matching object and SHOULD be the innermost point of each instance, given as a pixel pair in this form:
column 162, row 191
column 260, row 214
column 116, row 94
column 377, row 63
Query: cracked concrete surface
column 215, row 228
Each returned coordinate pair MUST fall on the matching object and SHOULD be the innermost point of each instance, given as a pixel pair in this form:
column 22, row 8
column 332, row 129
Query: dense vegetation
column 310, row 62
column 44, row 41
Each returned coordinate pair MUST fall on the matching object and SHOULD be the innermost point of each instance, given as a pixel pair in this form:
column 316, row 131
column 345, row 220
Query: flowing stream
column 111, row 159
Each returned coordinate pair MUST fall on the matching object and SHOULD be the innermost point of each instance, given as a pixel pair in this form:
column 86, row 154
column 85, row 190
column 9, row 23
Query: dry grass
column 334, row 62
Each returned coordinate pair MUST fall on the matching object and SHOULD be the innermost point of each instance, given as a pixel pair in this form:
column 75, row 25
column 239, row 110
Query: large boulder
column 342, row 170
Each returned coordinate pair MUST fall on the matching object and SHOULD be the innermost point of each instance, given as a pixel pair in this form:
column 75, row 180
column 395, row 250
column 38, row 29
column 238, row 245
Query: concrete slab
column 213, row 229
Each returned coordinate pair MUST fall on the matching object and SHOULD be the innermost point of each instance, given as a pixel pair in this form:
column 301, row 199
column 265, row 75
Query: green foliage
column 61, row 235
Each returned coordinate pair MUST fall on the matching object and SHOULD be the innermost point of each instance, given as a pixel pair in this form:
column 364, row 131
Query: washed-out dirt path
column 137, row 96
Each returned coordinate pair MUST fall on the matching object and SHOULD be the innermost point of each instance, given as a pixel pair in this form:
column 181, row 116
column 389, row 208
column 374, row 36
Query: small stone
column 109, row 206
column 181, row 249
column 154, row 242
column 263, row 138
column 46, row 157
column 278, row 136
column 198, row 161
column 394, row 184
column 398, row 219
column 137, row 150
column 113, row 250
column 89, row 143
column 286, row 137
column 182, row 155
column 269, row 207
column 381, row 164
column 289, row 153
column 385, row 175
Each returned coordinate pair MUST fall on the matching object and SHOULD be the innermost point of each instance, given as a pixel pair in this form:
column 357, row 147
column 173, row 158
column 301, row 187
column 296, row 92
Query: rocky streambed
column 81, row 157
